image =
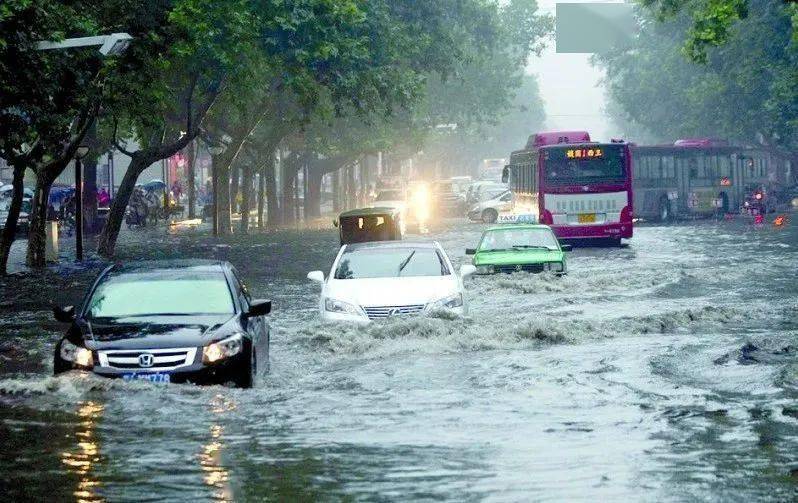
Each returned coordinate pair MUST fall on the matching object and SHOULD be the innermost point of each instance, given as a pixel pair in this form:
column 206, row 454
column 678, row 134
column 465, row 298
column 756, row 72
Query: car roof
column 377, row 210
column 392, row 244
column 153, row 265
column 517, row 226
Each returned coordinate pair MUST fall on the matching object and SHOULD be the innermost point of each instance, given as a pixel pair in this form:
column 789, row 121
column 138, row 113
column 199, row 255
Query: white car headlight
column 339, row 306
column 79, row 356
column 554, row 266
column 225, row 348
column 485, row 269
column 449, row 302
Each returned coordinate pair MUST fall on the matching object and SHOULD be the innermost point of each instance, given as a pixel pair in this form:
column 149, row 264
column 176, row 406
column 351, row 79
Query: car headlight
column 554, row 266
column 485, row 269
column 449, row 302
column 339, row 306
column 81, row 357
column 225, row 348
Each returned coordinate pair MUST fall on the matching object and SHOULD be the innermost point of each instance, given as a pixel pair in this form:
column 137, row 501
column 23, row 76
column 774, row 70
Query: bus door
column 683, row 202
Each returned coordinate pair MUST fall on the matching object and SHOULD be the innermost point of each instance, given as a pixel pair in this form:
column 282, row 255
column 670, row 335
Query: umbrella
column 154, row 185
column 8, row 188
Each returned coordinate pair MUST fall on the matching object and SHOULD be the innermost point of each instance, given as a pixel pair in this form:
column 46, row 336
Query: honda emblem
column 146, row 360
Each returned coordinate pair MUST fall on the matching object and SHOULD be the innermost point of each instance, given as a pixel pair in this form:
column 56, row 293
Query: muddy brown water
column 666, row 370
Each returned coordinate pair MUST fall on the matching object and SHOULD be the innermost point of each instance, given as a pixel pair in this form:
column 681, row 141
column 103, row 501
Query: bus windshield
column 584, row 165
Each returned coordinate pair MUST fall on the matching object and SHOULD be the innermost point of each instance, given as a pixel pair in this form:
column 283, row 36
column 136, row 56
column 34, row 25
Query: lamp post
column 110, row 45
column 79, row 155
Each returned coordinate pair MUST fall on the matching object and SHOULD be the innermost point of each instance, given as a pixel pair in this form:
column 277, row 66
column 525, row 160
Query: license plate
column 587, row 218
column 158, row 377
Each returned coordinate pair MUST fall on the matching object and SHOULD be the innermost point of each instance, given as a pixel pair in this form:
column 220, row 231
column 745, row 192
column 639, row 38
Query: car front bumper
column 351, row 318
column 198, row 372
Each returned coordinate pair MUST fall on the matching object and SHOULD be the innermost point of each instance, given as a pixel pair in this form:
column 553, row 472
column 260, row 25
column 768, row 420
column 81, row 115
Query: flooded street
column 666, row 370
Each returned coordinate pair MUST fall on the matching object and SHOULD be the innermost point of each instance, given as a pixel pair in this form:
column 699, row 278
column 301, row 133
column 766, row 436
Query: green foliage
column 713, row 22
column 745, row 91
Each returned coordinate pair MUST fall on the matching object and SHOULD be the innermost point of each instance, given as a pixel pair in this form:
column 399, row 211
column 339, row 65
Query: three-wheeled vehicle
column 370, row 224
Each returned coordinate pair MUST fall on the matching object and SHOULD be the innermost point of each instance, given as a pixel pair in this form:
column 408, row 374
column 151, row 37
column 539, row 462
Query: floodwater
column 666, row 370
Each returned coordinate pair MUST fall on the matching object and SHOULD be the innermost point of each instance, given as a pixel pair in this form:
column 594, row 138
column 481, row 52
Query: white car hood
column 392, row 291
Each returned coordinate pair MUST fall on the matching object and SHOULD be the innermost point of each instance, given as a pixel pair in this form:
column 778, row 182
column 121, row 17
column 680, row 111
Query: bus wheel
column 490, row 216
column 664, row 209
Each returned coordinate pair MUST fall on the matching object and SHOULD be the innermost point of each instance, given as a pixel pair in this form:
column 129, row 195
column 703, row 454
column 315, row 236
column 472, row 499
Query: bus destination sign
column 584, row 153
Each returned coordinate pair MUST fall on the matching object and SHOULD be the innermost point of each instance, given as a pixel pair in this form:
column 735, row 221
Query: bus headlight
column 79, row 356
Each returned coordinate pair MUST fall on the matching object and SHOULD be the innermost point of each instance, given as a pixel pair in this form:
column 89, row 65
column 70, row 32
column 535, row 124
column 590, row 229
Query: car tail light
column 546, row 218
column 626, row 214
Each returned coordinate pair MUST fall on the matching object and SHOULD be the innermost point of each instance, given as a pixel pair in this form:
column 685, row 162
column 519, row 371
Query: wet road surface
column 666, row 370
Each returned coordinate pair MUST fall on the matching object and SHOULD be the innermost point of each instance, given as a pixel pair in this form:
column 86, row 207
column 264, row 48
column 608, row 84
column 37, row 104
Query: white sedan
column 377, row 280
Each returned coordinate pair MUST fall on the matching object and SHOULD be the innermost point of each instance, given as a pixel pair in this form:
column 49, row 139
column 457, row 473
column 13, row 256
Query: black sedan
column 167, row 321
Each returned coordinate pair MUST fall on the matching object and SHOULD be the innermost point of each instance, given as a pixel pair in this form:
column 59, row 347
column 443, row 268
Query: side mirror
column 467, row 270
column 64, row 314
column 316, row 276
column 471, row 251
column 567, row 248
column 259, row 307
column 506, row 174
column 335, row 223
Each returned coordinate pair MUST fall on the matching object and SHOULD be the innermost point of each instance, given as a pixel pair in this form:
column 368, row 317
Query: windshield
column 390, row 263
column 492, row 194
column 583, row 165
column 508, row 239
column 389, row 195
column 149, row 293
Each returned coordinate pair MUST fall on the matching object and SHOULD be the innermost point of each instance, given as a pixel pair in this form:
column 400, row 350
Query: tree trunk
column 272, row 201
column 262, row 193
column 10, row 229
column 313, row 196
column 351, row 197
column 191, row 190
column 235, row 184
column 221, row 167
column 116, row 215
column 364, row 182
column 289, row 172
column 246, row 197
column 336, row 190
column 37, row 238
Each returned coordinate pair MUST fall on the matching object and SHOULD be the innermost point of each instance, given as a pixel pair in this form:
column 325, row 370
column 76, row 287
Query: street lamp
column 110, row 45
column 79, row 155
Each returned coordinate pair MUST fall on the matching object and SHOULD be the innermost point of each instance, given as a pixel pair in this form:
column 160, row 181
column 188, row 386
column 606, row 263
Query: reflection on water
column 82, row 459
column 216, row 476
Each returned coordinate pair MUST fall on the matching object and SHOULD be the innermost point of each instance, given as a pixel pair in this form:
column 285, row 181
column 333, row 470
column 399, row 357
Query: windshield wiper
column 405, row 262
column 534, row 247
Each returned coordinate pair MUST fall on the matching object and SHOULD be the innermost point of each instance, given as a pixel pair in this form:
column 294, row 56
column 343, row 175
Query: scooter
column 136, row 216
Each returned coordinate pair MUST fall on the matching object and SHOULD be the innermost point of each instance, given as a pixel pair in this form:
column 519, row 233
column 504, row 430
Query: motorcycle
column 135, row 216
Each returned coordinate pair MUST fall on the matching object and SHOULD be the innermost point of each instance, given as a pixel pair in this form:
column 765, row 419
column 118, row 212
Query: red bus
column 582, row 189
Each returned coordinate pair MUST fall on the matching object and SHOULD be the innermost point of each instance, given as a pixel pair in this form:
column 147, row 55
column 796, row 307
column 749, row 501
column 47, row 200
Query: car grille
column 162, row 359
column 379, row 312
column 535, row 268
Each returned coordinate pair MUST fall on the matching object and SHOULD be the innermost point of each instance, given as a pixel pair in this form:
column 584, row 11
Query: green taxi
column 519, row 248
